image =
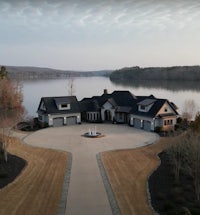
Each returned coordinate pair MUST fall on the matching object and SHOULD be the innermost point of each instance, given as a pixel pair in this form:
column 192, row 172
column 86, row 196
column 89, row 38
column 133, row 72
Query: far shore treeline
column 176, row 73
column 123, row 76
column 34, row 73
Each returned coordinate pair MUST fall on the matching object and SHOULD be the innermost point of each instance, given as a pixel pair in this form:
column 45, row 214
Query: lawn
column 37, row 190
column 128, row 172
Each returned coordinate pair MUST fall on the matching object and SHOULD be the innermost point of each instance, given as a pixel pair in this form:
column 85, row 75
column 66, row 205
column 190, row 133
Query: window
column 166, row 110
column 168, row 122
column 40, row 117
column 64, row 105
column 142, row 107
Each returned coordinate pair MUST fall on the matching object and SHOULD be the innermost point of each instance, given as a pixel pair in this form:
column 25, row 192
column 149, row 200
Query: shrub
column 195, row 211
column 184, row 211
column 176, row 191
column 188, row 188
column 3, row 172
column 160, row 196
column 169, row 206
column 179, row 200
column 158, row 129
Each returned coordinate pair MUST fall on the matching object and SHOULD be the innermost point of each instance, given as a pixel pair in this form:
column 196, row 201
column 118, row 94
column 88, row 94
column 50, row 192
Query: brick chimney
column 105, row 91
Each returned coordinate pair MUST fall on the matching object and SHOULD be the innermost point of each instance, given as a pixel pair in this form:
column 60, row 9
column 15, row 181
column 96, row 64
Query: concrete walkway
column 86, row 194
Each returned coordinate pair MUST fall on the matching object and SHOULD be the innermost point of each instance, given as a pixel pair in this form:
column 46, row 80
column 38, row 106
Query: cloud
column 105, row 24
column 118, row 14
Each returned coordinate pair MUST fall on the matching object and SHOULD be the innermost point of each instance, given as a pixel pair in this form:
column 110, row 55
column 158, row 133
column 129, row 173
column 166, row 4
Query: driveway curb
column 63, row 200
column 110, row 194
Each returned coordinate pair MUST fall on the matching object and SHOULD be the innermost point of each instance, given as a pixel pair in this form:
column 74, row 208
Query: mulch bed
column 11, row 169
column 169, row 197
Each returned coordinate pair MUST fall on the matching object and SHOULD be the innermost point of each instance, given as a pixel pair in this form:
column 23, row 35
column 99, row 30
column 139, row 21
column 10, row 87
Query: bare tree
column 176, row 155
column 185, row 155
column 195, row 126
column 189, row 109
column 192, row 166
column 11, row 109
column 71, row 86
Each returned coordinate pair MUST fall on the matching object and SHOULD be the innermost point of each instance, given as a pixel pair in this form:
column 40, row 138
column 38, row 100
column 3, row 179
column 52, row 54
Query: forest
column 176, row 73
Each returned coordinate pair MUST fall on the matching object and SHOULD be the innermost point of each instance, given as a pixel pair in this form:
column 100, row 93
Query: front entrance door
column 107, row 115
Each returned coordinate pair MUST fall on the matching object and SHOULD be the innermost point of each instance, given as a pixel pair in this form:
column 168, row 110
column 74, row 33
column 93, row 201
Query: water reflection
column 176, row 92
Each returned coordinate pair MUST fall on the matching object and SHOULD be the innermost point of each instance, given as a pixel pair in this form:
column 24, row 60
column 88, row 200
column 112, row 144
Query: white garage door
column 58, row 122
column 71, row 120
column 147, row 125
column 137, row 123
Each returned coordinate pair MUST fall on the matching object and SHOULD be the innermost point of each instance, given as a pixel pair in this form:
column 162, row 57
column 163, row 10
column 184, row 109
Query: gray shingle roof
column 126, row 102
column 52, row 102
column 146, row 102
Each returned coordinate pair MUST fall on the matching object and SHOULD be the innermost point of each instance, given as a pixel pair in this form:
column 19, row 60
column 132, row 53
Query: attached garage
column 147, row 125
column 71, row 120
column 58, row 122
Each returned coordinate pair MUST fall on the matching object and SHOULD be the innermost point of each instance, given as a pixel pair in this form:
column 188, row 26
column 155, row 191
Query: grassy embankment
column 128, row 172
column 37, row 190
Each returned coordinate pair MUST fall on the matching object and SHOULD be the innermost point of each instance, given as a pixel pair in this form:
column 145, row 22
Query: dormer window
column 64, row 106
column 145, row 105
column 62, row 103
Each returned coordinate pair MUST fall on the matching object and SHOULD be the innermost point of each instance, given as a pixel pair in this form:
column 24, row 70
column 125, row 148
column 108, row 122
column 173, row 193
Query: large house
column 144, row 112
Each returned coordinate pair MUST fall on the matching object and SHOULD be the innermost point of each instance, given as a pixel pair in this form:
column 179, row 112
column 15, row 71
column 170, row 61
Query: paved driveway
column 87, row 195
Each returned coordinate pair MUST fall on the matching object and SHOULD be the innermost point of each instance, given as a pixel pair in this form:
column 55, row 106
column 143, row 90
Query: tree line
column 184, row 155
column 178, row 73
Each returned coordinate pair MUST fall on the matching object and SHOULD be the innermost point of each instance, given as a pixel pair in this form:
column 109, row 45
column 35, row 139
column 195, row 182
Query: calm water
column 87, row 87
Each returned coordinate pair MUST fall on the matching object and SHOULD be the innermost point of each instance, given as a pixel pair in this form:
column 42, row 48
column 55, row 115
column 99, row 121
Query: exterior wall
column 43, row 118
column 166, row 123
column 107, row 107
column 121, row 117
column 93, row 116
column 51, row 117
column 166, row 109
column 158, row 122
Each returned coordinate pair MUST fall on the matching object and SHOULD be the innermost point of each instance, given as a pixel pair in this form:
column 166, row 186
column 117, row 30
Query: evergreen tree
column 3, row 73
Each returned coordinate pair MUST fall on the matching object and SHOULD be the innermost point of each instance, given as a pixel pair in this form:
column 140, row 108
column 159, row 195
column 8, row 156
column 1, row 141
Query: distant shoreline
column 176, row 73
column 38, row 73
column 124, row 75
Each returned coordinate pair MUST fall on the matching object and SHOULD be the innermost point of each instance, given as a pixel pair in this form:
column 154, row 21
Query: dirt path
column 128, row 172
column 37, row 190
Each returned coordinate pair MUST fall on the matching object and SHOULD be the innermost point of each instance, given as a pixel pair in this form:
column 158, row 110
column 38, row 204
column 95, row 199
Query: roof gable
column 51, row 105
column 167, row 108
column 124, row 101
column 146, row 102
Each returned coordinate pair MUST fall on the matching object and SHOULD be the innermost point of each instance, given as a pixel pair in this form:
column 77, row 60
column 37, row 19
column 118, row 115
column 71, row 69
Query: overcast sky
column 99, row 34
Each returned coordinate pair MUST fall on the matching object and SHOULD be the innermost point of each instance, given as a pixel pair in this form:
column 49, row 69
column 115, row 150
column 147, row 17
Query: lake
column 33, row 90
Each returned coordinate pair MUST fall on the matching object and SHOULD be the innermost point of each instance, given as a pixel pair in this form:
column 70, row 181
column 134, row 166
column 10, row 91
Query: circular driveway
column 86, row 193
